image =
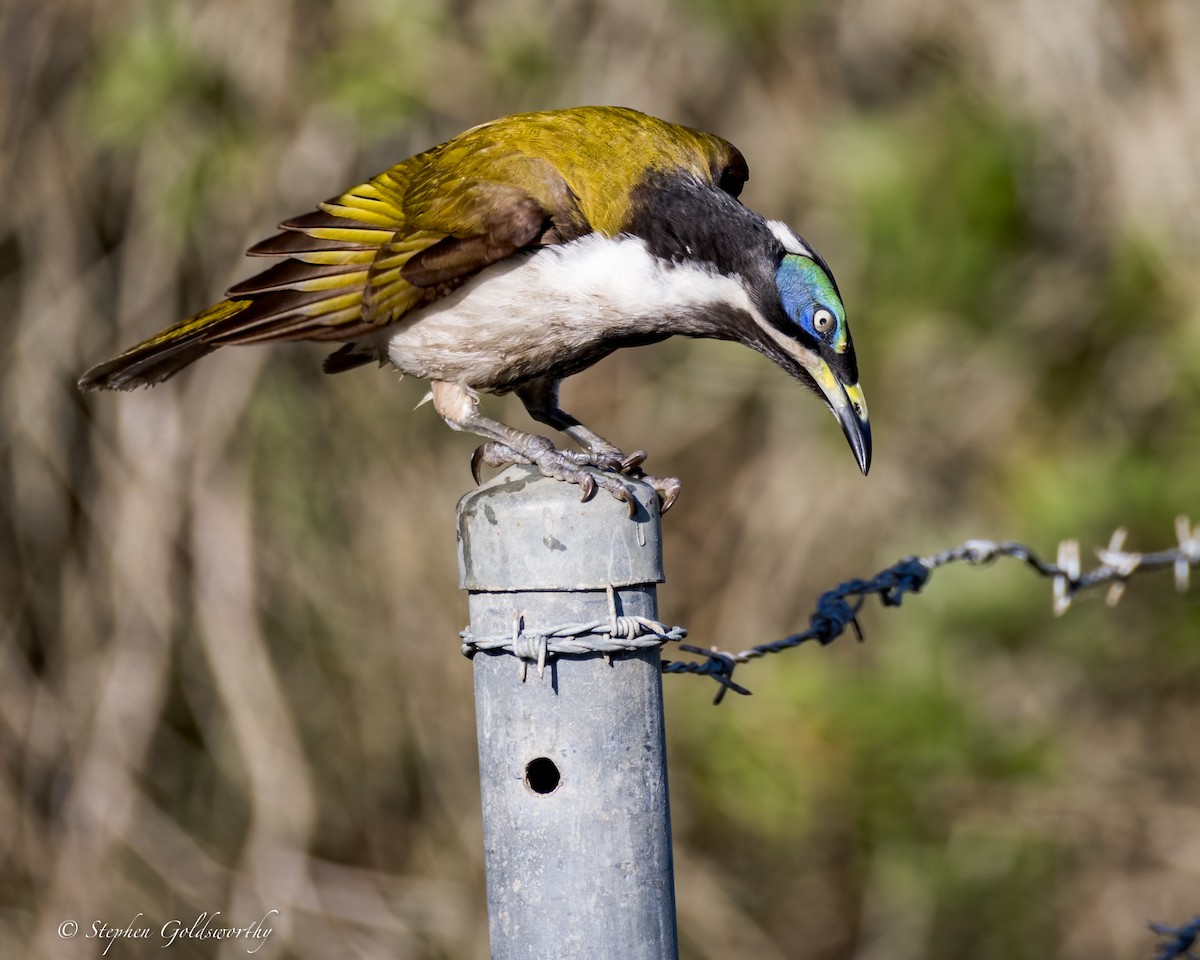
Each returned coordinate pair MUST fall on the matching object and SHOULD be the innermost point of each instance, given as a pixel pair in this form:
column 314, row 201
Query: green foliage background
column 228, row 613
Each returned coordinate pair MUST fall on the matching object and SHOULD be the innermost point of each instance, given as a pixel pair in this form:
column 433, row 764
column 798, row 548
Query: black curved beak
column 850, row 407
column 856, row 426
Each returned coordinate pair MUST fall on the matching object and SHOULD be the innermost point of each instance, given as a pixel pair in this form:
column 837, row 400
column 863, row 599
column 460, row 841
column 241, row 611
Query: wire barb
column 838, row 608
column 619, row 634
column 1181, row 939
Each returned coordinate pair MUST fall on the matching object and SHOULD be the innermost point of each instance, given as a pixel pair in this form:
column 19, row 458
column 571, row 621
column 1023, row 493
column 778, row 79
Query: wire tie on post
column 523, row 668
column 528, row 647
column 617, row 634
column 611, row 591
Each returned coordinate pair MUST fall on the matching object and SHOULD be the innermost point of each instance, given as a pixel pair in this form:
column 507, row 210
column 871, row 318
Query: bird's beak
column 850, row 407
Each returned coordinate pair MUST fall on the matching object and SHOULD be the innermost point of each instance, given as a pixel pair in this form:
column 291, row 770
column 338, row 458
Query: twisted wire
column 617, row 634
column 1181, row 939
column 838, row 608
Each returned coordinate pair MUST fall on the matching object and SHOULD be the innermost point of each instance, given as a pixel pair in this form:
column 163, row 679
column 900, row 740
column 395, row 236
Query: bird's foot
column 629, row 465
column 588, row 471
column 608, row 458
column 667, row 488
column 556, row 464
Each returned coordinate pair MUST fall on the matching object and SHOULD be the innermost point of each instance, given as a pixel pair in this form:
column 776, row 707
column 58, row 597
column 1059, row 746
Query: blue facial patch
column 804, row 288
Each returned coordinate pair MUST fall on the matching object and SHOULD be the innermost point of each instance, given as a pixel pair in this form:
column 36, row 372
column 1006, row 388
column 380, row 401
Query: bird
column 521, row 252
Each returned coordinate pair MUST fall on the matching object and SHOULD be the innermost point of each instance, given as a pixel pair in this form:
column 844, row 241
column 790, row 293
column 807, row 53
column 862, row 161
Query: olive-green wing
column 361, row 261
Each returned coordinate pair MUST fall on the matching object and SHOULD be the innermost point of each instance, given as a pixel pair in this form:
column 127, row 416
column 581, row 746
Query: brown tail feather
column 144, row 369
column 165, row 354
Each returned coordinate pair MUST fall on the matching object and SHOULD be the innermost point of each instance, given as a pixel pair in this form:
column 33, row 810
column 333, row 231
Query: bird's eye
column 823, row 321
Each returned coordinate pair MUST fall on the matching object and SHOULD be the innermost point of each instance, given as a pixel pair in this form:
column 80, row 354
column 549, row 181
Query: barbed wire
column 617, row 634
column 1181, row 939
column 838, row 608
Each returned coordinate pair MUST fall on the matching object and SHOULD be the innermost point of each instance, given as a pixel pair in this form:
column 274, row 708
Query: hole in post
column 542, row 776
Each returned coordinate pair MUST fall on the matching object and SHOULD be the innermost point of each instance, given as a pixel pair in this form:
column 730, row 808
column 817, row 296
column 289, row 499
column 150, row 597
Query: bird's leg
column 458, row 406
column 541, row 401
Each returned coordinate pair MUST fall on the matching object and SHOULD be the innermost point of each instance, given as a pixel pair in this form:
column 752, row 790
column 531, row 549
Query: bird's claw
column 633, row 461
column 620, row 492
column 590, row 478
column 667, row 489
column 588, row 471
column 494, row 455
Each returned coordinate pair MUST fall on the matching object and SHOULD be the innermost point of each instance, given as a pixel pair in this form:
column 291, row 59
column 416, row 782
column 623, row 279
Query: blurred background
column 230, row 676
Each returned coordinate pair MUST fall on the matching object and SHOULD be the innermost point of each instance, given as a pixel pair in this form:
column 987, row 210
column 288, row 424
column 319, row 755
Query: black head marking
column 733, row 176
column 682, row 219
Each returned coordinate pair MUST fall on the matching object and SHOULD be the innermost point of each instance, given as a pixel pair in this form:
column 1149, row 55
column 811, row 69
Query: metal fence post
column 573, row 775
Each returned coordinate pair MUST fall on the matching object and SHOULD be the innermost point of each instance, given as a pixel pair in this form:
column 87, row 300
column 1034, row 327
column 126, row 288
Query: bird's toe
column 587, row 483
column 633, row 460
column 494, row 454
column 590, row 471
column 667, row 488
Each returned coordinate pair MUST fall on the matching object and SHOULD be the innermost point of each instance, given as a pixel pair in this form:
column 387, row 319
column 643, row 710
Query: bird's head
column 810, row 339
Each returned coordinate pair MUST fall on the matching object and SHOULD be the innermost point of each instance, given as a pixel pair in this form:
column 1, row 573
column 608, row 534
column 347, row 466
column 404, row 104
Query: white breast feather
column 530, row 312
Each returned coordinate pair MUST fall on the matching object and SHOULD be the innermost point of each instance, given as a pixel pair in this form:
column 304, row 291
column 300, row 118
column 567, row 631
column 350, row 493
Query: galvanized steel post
column 576, row 819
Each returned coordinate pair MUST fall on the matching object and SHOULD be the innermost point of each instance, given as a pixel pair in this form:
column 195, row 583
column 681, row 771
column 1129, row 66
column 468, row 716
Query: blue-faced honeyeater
column 521, row 252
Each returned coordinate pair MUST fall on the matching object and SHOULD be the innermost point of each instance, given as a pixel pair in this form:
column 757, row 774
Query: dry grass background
column 228, row 613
